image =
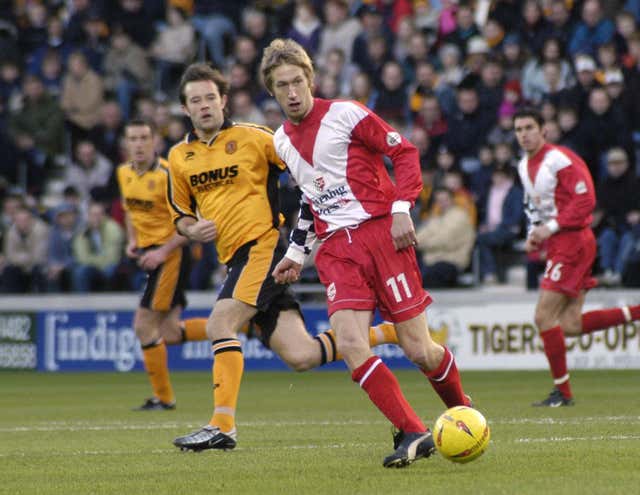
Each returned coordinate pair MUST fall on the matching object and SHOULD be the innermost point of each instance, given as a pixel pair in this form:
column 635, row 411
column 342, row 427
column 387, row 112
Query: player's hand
column 540, row 233
column 402, row 231
column 132, row 250
column 153, row 258
column 287, row 271
column 202, row 231
column 530, row 245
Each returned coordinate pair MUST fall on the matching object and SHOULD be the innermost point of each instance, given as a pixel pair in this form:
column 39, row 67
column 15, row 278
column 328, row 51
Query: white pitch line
column 123, row 425
column 340, row 446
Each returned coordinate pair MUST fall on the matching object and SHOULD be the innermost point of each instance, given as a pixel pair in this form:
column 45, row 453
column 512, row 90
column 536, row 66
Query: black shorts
column 166, row 285
column 249, row 280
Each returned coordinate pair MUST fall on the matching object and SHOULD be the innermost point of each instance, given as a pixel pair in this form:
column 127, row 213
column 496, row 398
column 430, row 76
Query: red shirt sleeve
column 380, row 137
column 575, row 197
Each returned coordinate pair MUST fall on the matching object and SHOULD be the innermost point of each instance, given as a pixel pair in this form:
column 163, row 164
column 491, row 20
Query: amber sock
column 228, row 365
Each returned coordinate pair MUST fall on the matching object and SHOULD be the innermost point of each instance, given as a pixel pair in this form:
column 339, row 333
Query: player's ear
column 223, row 101
column 184, row 110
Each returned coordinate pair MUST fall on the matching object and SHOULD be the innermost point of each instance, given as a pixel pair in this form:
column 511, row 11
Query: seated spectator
column 127, row 70
column 88, row 170
column 106, row 135
column 60, row 257
column 535, row 82
column 25, row 249
column 272, row 114
column 213, row 19
column 445, row 242
column 97, row 251
column 391, row 101
column 243, row 109
column 454, row 181
column 172, row 49
column 616, row 215
column 82, row 97
column 502, row 221
column 306, row 27
column 592, row 31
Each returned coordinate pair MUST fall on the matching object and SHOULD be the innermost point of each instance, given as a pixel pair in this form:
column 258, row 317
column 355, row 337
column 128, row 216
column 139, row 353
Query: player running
column 559, row 200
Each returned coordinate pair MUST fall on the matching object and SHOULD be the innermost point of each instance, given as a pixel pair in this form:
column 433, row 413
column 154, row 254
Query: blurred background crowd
column 448, row 74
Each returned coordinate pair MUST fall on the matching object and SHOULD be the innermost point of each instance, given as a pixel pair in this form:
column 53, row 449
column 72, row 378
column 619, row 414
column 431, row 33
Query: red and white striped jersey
column 558, row 189
column 336, row 156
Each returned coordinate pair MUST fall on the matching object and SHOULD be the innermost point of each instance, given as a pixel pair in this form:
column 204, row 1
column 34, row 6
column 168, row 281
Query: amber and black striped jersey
column 232, row 181
column 144, row 197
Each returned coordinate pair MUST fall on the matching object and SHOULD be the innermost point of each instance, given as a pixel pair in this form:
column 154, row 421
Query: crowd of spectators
column 448, row 74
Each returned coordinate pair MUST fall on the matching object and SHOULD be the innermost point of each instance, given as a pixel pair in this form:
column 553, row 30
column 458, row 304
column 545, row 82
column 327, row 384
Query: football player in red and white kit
column 334, row 151
column 559, row 200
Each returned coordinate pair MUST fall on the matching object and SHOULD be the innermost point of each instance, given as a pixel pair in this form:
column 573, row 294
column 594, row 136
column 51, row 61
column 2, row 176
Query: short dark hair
column 141, row 123
column 531, row 112
column 202, row 72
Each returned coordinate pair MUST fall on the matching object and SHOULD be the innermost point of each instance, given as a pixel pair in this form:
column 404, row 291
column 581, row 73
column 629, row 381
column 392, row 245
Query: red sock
column 445, row 380
column 384, row 391
column 556, row 351
column 605, row 318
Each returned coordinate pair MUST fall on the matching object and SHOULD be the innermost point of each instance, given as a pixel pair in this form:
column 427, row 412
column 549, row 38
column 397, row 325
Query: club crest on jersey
column 581, row 187
column 393, row 138
column 231, row 147
column 318, row 183
column 331, row 291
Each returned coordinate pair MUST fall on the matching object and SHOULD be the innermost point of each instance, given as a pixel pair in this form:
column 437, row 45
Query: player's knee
column 571, row 326
column 351, row 345
column 146, row 335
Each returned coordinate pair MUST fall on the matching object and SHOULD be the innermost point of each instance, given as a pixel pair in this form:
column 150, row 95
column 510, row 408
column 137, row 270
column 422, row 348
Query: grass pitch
column 313, row 433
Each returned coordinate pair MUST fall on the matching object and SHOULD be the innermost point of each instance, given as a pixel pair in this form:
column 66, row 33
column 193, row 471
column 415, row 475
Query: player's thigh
column 550, row 306
column 146, row 324
column 291, row 341
column 170, row 326
column 228, row 317
column 571, row 316
column 165, row 284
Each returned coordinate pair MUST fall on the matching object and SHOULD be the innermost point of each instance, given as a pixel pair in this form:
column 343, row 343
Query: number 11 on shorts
column 400, row 279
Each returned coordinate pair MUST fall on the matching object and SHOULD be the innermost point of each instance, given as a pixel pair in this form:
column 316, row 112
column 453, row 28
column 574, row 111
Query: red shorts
column 362, row 270
column 570, row 256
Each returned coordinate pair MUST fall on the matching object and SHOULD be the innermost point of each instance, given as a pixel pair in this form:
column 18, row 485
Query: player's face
column 139, row 145
column 293, row 91
column 529, row 134
column 204, row 106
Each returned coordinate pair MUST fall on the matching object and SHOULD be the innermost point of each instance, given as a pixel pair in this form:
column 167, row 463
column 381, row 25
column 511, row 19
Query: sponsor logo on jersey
column 213, row 178
column 139, row 204
column 581, row 187
column 318, row 183
column 393, row 138
column 331, row 291
column 189, row 155
column 231, row 147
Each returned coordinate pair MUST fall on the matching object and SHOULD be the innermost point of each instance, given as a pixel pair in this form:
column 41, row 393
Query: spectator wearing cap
column 339, row 31
column 65, row 223
column 466, row 28
column 534, row 28
column 477, row 55
column 25, row 249
column 305, row 27
column 577, row 95
column 621, row 98
column 501, row 223
column 592, row 31
column 82, row 97
column 534, row 82
column 445, row 242
column 616, row 214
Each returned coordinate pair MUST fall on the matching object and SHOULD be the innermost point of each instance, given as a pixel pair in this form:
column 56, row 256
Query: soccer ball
column 461, row 434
